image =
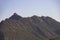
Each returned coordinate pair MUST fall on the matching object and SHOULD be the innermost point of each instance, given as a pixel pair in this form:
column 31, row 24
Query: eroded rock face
column 29, row 28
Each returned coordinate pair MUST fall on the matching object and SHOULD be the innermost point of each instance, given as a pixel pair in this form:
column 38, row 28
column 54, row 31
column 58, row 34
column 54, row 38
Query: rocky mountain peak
column 15, row 16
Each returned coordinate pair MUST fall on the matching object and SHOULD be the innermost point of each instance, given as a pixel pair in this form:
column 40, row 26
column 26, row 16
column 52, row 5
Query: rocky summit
column 29, row 28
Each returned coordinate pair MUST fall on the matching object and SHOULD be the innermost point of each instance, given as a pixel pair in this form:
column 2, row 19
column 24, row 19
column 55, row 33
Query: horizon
column 29, row 8
column 27, row 17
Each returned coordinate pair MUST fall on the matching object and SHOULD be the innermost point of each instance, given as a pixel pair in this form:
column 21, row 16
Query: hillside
column 29, row 28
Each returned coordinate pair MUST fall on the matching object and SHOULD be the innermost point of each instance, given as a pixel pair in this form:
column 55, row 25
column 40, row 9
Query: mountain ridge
column 29, row 28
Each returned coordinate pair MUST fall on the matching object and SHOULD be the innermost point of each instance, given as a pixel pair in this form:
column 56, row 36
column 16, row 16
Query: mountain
column 15, row 16
column 29, row 28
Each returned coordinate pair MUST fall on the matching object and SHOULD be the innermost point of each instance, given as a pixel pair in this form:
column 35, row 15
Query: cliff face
column 29, row 28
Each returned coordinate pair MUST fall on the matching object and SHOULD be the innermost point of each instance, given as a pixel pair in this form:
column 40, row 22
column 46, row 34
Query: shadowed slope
column 1, row 33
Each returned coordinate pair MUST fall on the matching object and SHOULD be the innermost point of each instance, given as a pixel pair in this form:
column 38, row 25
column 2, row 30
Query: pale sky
column 27, row 8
